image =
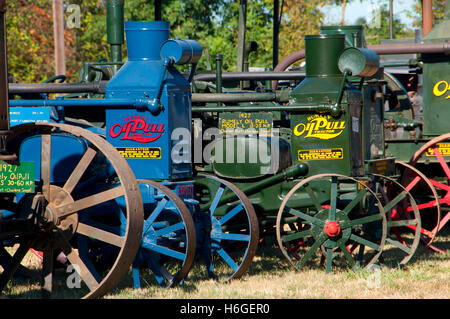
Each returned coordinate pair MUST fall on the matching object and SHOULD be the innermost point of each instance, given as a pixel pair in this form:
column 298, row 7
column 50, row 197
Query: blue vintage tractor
column 95, row 200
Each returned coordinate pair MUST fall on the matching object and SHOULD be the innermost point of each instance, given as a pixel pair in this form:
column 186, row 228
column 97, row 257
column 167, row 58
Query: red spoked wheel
column 433, row 160
column 426, row 196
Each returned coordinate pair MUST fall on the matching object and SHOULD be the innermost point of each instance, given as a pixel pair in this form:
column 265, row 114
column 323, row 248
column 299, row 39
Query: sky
column 356, row 9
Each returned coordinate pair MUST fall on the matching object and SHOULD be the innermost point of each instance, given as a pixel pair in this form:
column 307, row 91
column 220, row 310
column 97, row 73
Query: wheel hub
column 332, row 229
column 50, row 223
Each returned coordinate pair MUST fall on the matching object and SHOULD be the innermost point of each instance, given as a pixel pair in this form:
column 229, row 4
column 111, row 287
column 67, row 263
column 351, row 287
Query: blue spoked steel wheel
column 168, row 239
column 230, row 225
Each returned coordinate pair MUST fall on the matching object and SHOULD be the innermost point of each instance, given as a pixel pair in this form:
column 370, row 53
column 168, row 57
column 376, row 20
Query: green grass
column 427, row 275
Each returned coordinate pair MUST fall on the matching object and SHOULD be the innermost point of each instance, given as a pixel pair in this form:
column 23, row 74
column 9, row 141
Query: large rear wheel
column 57, row 214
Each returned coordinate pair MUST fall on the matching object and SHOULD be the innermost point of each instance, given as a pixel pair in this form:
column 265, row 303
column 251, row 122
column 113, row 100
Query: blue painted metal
column 21, row 115
column 146, row 76
column 67, row 151
column 182, row 51
column 124, row 102
column 164, row 236
column 148, row 109
column 144, row 39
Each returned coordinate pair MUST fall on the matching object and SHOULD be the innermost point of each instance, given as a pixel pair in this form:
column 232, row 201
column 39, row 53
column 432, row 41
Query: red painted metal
column 332, row 229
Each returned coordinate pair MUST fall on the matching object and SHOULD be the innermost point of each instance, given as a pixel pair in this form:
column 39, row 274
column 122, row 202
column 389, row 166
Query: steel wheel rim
column 397, row 217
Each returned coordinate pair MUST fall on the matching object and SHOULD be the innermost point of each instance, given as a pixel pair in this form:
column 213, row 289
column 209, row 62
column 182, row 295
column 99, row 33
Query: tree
column 438, row 12
column 294, row 27
column 30, row 38
column 378, row 29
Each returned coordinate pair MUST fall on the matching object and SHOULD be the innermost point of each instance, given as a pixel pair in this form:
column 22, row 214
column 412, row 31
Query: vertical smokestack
column 427, row 16
column 115, row 28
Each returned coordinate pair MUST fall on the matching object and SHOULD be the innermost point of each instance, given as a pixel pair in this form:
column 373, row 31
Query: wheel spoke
column 400, row 223
column 320, row 240
column 296, row 235
column 354, row 202
column 231, row 214
column 74, row 258
column 346, row 253
column 333, row 191
column 17, row 258
column 304, row 216
column 399, row 245
column 360, row 221
column 159, row 208
column 365, row 242
column 100, row 234
column 439, row 185
column 413, row 183
column 227, row 258
column 329, row 260
column 90, row 201
column 46, row 150
column 313, row 197
column 164, row 250
column 170, row 229
column 441, row 160
column 47, row 273
column 216, row 200
column 79, row 170
column 430, row 204
column 228, row 236
column 395, row 201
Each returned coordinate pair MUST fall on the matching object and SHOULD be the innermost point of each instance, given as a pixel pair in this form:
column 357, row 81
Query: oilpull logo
column 440, row 88
column 136, row 128
column 320, row 127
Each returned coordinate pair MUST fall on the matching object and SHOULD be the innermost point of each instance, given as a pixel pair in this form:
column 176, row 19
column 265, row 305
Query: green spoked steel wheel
column 58, row 211
column 342, row 223
column 227, row 228
column 403, row 220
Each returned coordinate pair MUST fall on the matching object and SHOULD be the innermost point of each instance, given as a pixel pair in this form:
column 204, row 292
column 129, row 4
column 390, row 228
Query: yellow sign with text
column 442, row 148
column 321, row 127
column 140, row 152
column 321, row 154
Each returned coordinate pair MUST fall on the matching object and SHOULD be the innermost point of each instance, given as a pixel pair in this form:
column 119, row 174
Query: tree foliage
column 378, row 29
column 213, row 23
column 438, row 12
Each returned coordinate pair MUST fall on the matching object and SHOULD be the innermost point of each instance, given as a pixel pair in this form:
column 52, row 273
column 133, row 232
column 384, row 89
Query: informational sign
column 17, row 177
column 245, row 122
column 140, row 152
column 321, row 154
column 21, row 115
column 443, row 148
